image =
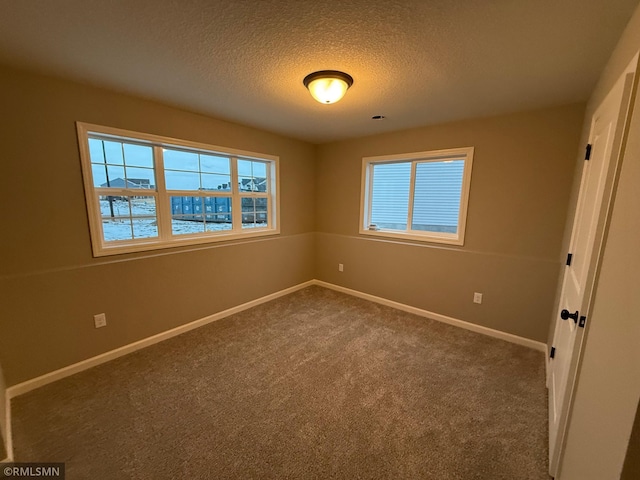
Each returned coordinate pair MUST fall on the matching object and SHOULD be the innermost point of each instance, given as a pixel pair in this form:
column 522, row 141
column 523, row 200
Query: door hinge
column 569, row 257
column 582, row 321
column 587, row 155
column 552, row 353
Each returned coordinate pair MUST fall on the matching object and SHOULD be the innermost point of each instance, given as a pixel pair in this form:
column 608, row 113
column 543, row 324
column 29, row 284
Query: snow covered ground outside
column 140, row 221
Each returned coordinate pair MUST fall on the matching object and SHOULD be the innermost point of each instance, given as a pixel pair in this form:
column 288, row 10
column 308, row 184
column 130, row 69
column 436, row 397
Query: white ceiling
column 416, row 62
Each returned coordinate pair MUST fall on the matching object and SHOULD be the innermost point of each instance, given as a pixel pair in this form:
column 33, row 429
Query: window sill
column 143, row 246
column 445, row 238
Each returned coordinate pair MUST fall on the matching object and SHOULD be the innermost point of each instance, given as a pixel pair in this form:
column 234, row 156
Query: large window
column 145, row 192
column 418, row 196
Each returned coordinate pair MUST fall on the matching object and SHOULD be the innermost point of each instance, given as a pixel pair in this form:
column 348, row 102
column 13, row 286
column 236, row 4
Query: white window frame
column 464, row 153
column 166, row 239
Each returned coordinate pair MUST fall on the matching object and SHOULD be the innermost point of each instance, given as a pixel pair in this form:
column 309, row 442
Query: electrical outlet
column 340, row 267
column 100, row 320
column 477, row 297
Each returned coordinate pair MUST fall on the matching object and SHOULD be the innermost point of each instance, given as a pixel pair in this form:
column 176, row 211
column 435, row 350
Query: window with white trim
column 146, row 192
column 417, row 196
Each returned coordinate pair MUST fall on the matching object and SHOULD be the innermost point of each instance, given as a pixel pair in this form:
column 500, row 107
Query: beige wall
column 522, row 175
column 607, row 390
column 51, row 286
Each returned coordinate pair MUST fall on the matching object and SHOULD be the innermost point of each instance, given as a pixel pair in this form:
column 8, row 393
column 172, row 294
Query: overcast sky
column 183, row 170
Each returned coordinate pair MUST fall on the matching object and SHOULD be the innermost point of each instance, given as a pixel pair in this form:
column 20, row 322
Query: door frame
column 629, row 80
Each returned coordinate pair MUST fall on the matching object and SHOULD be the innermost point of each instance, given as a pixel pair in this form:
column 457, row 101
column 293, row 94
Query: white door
column 607, row 126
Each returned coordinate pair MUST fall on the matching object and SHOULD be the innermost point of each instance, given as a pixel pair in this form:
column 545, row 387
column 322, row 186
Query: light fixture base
column 348, row 79
column 328, row 86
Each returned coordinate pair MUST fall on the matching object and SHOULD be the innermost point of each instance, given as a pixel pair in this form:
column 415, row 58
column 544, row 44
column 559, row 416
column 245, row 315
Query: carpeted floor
column 314, row 385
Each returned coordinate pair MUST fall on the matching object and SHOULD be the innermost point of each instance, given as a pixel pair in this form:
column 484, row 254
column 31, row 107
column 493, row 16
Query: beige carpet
column 315, row 385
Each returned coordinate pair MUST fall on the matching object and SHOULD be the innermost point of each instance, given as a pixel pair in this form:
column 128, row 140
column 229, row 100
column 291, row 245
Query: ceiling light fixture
column 328, row 86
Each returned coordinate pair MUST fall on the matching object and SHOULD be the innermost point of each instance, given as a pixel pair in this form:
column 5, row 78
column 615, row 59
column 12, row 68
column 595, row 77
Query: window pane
column 99, row 174
column 194, row 214
column 254, row 213
column 436, row 201
column 140, row 178
column 187, row 224
column 218, row 223
column 216, row 182
column 138, row 155
column 113, row 152
column 182, row 180
column 215, row 205
column 217, row 214
column 390, row 195
column 253, row 176
column 244, row 168
column 95, row 150
column 225, row 187
column 259, row 169
column 145, row 228
column 108, row 176
column 179, row 160
column 117, row 229
column 126, row 218
column 252, row 184
column 198, row 206
column 113, row 207
column 212, row 164
column 112, row 174
column 143, row 206
column 186, row 206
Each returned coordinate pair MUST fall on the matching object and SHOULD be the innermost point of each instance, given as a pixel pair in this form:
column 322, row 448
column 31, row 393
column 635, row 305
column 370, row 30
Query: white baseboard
column 64, row 372
column 542, row 347
column 29, row 385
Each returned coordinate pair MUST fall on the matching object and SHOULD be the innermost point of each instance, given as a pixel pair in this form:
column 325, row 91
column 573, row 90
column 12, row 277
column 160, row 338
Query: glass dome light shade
column 328, row 86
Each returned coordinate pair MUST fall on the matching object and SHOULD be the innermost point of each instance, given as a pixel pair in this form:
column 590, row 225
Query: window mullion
column 125, row 192
column 163, row 203
column 236, row 200
column 412, row 189
column 198, row 193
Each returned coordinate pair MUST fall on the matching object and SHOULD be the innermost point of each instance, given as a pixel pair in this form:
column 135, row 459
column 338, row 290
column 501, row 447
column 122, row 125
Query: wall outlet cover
column 100, row 320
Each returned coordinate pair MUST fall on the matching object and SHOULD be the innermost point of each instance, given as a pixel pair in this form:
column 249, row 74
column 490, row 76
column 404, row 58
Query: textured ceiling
column 417, row 62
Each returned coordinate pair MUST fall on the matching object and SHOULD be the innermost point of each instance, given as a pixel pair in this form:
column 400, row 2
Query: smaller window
column 417, row 196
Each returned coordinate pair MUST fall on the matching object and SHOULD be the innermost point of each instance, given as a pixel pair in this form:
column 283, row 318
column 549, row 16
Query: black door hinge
column 588, row 153
column 569, row 257
column 582, row 321
column 553, row 352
